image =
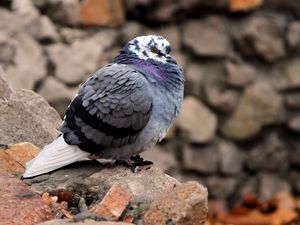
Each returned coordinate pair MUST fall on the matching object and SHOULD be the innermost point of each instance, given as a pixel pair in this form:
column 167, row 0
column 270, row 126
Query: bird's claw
column 134, row 162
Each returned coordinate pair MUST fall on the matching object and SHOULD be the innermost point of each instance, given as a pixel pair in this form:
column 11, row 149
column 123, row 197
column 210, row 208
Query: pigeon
column 123, row 109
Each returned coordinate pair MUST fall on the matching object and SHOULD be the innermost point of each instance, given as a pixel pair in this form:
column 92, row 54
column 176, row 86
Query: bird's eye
column 154, row 50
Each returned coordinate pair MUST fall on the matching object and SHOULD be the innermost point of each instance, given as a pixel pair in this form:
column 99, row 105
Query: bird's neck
column 170, row 77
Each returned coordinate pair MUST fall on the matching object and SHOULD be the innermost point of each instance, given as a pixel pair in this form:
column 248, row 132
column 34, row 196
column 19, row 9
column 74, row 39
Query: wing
column 111, row 109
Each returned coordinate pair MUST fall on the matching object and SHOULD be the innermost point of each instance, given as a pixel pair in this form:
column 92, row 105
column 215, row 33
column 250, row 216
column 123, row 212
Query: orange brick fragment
column 108, row 13
column 15, row 157
column 114, row 202
column 244, row 5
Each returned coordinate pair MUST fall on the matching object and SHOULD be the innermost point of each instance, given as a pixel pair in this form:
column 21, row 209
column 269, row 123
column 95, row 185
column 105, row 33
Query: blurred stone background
column 239, row 129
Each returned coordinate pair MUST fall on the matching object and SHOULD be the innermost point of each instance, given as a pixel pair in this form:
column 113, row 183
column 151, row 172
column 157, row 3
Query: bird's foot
column 134, row 162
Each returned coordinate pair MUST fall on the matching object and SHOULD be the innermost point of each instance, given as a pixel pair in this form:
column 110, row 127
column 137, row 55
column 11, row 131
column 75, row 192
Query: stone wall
column 239, row 128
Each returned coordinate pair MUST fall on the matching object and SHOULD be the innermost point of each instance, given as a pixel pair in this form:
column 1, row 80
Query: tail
column 54, row 156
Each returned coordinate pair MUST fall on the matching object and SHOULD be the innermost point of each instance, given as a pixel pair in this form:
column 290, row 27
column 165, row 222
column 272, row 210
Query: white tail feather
column 53, row 156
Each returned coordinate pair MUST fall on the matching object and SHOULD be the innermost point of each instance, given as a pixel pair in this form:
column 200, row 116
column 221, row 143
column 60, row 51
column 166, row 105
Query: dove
column 123, row 109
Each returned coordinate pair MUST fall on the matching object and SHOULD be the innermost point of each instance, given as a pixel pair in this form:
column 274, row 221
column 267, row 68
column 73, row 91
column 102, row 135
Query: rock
column 293, row 100
column 130, row 30
column 48, row 32
column 214, row 42
column 73, row 64
column 247, row 122
column 161, row 157
column 239, row 75
column 262, row 36
column 288, row 77
column 294, row 123
column 85, row 178
column 201, row 159
column 57, row 94
column 188, row 206
column 194, row 79
column 27, row 117
column 29, row 63
column 271, row 184
column 64, row 12
column 71, row 34
column 114, row 202
column 14, row 158
column 5, row 89
column 108, row 13
column 231, row 159
column 221, row 187
column 220, row 98
column 19, row 204
column 196, row 122
column 242, row 5
column 107, row 38
column 85, row 222
column 271, row 155
column 293, row 35
column 7, row 50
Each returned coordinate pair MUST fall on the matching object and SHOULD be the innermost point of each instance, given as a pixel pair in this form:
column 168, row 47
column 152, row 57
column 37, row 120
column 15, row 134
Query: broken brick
column 114, row 202
column 19, row 205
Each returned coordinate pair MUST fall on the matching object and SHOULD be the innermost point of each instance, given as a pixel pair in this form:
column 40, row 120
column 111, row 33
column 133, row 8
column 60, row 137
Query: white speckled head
column 151, row 46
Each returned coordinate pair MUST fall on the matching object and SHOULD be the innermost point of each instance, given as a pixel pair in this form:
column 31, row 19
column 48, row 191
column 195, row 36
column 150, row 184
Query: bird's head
column 151, row 55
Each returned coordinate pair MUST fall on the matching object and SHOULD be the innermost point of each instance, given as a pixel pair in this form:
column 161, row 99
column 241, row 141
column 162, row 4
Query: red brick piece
column 108, row 13
column 19, row 205
column 114, row 202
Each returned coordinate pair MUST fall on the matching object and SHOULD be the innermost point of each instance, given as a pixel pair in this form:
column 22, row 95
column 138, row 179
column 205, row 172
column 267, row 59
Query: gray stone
column 47, row 31
column 271, row 155
column 27, row 117
column 196, row 122
column 216, row 92
column 107, row 38
column 239, row 75
column 287, row 78
column 219, row 97
column 71, row 34
column 7, row 50
column 262, row 36
column 57, row 94
column 271, row 184
column 231, row 159
column 258, row 107
column 203, row 159
column 5, row 89
column 294, row 123
column 62, row 11
column 293, row 100
column 221, row 187
column 214, row 42
column 130, row 30
column 89, row 179
column 161, row 157
column 194, row 79
column 293, row 35
column 29, row 63
column 73, row 64
column 248, row 186
column 184, row 205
